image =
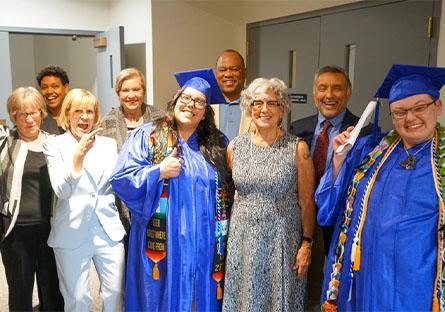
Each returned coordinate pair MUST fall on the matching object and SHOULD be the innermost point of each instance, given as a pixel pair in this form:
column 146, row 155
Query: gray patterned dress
column 265, row 229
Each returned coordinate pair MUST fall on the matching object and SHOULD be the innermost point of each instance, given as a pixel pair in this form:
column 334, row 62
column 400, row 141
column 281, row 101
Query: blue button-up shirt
column 332, row 132
column 230, row 118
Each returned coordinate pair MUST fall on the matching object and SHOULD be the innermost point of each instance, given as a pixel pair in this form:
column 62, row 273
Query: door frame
column 50, row 31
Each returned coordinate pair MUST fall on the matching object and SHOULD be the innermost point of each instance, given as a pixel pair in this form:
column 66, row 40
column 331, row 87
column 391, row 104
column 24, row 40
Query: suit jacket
column 80, row 195
column 305, row 127
column 246, row 124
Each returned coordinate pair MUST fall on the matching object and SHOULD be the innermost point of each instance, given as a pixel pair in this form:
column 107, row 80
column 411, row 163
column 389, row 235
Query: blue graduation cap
column 403, row 81
column 204, row 81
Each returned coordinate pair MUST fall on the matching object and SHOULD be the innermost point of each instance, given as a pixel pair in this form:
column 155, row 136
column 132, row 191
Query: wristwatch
column 308, row 239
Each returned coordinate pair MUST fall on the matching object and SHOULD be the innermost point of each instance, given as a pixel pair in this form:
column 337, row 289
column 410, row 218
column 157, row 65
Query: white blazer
column 81, row 194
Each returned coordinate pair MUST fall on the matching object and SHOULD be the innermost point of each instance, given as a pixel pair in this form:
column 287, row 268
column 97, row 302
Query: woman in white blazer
column 86, row 225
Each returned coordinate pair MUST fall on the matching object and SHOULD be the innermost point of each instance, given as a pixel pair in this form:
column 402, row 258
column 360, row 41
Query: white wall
column 186, row 37
column 135, row 16
column 60, row 14
column 132, row 14
column 93, row 15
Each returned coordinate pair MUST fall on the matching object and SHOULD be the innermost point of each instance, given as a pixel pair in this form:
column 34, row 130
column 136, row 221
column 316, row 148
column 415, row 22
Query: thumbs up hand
column 170, row 167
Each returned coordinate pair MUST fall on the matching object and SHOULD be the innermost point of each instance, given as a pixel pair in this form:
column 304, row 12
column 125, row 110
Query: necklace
column 270, row 149
column 410, row 162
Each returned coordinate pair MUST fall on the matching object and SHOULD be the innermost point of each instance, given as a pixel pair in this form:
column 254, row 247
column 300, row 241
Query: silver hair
column 261, row 85
column 332, row 69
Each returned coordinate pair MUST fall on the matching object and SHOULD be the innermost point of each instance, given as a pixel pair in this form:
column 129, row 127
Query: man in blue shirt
column 332, row 91
column 231, row 76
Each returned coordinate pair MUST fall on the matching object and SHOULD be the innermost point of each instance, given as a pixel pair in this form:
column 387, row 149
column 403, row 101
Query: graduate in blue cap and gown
column 172, row 175
column 385, row 198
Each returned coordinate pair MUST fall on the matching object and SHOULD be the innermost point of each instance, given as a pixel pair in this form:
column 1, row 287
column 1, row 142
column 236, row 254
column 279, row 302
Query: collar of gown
column 192, row 141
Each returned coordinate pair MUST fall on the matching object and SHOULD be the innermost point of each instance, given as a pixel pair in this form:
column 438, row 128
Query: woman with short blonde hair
column 86, row 224
column 26, row 201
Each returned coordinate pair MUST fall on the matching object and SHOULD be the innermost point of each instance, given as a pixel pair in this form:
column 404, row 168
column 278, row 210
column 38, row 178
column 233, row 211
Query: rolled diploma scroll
column 364, row 120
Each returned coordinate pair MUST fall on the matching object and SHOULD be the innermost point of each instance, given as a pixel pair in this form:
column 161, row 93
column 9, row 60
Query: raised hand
column 338, row 159
column 341, row 138
column 83, row 146
column 170, row 167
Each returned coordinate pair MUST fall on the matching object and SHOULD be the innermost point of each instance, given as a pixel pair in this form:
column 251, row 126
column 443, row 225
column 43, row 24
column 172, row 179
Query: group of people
column 212, row 205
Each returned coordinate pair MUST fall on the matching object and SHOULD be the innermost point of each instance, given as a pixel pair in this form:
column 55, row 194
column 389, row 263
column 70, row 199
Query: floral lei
column 386, row 146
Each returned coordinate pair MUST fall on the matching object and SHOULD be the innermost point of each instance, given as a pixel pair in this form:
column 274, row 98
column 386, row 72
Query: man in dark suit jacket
column 305, row 127
column 332, row 91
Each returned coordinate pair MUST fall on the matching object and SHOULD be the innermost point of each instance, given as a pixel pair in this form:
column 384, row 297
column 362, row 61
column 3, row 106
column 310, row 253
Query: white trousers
column 73, row 267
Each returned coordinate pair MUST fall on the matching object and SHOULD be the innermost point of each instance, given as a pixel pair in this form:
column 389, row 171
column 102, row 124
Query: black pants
column 25, row 253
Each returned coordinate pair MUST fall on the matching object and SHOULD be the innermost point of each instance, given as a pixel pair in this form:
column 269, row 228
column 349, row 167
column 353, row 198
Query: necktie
column 321, row 151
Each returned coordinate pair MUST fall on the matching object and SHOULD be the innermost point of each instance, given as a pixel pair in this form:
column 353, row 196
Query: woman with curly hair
column 270, row 239
column 172, row 176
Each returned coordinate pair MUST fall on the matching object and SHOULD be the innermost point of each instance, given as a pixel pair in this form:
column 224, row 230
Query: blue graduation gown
column 399, row 238
column 186, row 272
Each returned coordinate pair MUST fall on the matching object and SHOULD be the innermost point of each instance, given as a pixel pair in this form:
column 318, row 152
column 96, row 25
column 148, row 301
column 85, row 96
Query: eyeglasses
column 401, row 113
column 24, row 116
column 257, row 104
column 197, row 103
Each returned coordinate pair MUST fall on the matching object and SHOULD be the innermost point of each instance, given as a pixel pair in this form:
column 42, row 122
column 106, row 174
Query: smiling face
column 131, row 95
column 231, row 75
column 187, row 116
column 331, row 94
column 54, row 91
column 28, row 119
column 81, row 119
column 266, row 116
column 418, row 127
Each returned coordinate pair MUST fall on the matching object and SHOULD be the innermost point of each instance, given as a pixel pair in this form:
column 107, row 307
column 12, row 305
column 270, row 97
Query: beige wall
column 249, row 11
column 191, row 34
column 186, row 37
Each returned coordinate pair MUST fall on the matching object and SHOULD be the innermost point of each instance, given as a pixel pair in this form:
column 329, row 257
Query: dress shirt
column 230, row 118
column 332, row 132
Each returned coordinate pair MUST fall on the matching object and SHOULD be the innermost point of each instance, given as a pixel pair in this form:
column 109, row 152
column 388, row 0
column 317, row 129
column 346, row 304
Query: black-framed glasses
column 256, row 104
column 418, row 109
column 197, row 103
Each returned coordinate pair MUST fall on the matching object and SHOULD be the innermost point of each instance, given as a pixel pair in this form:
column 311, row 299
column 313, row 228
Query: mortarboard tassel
column 155, row 272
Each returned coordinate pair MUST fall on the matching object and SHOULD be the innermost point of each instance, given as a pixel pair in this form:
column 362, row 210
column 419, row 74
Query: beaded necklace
column 386, row 146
